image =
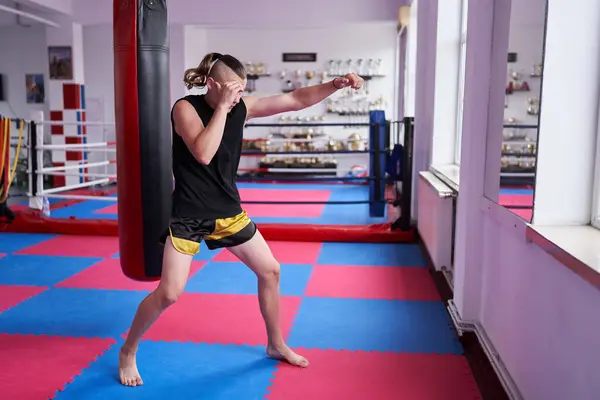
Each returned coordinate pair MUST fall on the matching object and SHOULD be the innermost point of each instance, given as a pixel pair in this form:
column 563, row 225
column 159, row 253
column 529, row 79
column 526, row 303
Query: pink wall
column 542, row 318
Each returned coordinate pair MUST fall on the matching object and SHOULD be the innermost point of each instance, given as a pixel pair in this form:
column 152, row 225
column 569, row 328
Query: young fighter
column 207, row 144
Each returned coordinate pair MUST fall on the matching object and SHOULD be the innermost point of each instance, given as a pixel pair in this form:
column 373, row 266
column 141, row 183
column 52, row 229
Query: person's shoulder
column 190, row 98
column 184, row 102
column 243, row 104
column 185, row 108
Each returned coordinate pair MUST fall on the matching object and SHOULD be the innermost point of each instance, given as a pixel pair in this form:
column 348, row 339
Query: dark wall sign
column 299, row 57
column 512, row 57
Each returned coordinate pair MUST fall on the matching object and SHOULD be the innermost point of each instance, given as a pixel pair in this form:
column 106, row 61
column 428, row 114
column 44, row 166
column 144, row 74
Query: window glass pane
column 461, row 80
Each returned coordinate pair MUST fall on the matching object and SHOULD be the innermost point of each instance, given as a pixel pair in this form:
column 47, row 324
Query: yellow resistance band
column 4, row 196
column 5, row 140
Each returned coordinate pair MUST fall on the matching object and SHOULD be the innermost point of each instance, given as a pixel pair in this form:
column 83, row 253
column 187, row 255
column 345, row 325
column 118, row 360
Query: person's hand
column 229, row 93
column 349, row 80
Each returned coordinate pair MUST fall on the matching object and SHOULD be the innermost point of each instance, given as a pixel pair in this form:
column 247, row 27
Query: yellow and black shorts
column 187, row 233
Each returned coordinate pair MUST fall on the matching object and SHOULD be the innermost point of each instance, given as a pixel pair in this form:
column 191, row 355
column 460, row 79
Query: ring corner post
column 377, row 132
column 404, row 222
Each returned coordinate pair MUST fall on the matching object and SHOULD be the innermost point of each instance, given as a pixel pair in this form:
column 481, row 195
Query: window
column 461, row 78
column 596, row 192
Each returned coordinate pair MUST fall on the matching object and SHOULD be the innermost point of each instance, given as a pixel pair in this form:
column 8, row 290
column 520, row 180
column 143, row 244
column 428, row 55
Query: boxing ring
column 368, row 316
column 302, row 195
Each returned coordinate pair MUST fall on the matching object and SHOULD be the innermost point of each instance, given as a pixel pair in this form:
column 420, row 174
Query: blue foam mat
column 523, row 191
column 73, row 312
column 236, row 278
column 180, row 371
column 374, row 325
column 218, row 371
column 372, row 254
column 11, row 242
column 41, row 270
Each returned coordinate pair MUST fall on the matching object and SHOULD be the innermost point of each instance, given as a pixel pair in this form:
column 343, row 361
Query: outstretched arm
column 299, row 99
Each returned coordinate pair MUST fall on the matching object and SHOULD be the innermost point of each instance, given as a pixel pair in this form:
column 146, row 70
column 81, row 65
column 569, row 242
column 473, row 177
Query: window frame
column 461, row 80
column 595, row 212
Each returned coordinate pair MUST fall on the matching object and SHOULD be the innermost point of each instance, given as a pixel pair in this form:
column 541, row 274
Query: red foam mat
column 11, row 295
column 389, row 283
column 527, row 215
column 284, row 252
column 349, row 375
column 35, row 367
column 508, row 200
column 75, row 246
column 107, row 275
column 30, row 222
column 217, row 318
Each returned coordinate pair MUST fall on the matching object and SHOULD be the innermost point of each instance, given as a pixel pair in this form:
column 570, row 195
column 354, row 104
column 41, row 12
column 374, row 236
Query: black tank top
column 208, row 191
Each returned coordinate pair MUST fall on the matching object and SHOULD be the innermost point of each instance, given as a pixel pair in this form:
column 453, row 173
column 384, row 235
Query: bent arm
column 203, row 142
column 297, row 100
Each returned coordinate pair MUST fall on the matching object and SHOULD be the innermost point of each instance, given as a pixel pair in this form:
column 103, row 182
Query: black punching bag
column 143, row 133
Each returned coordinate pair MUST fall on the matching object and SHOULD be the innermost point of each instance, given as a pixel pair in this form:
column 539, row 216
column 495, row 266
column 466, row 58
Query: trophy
column 324, row 76
column 355, row 142
column 378, row 67
column 332, row 69
column 309, row 76
column 533, row 107
column 526, row 163
column 252, row 75
column 360, row 66
column 516, row 83
column 296, row 82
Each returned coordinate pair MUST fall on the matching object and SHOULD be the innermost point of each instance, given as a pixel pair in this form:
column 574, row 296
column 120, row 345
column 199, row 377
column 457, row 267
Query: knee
column 271, row 273
column 166, row 296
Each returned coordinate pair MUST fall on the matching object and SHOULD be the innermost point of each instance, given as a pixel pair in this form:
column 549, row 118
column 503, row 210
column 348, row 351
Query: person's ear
column 212, row 84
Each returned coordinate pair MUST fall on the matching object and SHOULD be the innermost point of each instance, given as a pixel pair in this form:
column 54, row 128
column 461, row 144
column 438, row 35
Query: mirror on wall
column 521, row 108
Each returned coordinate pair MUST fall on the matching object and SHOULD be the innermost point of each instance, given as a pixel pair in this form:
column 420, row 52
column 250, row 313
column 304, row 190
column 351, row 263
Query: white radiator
column 435, row 218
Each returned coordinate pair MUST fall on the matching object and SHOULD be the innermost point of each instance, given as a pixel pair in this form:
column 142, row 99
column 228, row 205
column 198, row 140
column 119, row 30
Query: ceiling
column 10, row 19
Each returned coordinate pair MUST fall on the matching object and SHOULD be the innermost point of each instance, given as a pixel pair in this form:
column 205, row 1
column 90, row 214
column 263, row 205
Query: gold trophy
column 537, row 70
column 309, row 75
column 354, row 142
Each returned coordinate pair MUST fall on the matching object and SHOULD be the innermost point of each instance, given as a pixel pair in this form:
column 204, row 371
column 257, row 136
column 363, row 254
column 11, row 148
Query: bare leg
column 176, row 268
column 257, row 255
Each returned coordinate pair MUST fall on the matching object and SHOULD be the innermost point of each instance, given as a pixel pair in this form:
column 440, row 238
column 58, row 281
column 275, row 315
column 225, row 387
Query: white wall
column 99, row 69
column 99, row 78
column 61, row 6
column 23, row 51
column 376, row 40
column 368, row 40
column 258, row 13
column 189, row 45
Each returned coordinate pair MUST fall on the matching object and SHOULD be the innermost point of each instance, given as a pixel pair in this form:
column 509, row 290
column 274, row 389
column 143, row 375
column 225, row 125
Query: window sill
column 449, row 174
column 577, row 247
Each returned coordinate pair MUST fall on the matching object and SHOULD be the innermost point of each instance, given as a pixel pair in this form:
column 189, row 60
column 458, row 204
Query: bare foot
column 286, row 354
column 128, row 372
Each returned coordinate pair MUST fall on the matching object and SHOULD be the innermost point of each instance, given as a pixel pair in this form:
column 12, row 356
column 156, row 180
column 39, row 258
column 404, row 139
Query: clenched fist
column 349, row 80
